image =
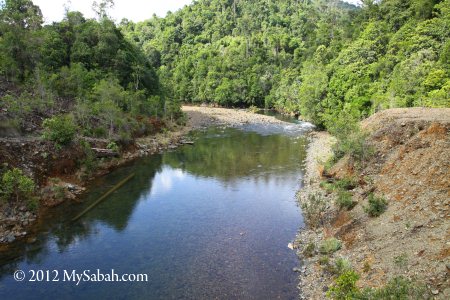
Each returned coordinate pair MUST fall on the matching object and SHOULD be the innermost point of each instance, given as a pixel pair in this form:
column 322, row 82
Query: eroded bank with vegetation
column 376, row 204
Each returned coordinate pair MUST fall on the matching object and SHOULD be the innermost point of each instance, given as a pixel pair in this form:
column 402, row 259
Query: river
column 205, row 221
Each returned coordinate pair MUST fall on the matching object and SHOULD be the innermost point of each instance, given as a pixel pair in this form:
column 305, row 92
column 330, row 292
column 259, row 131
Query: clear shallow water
column 208, row 221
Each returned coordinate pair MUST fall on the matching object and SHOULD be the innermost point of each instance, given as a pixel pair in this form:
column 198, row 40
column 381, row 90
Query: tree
column 19, row 21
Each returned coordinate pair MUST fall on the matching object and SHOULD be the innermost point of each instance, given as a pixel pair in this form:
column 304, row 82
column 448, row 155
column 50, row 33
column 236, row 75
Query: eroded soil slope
column 411, row 170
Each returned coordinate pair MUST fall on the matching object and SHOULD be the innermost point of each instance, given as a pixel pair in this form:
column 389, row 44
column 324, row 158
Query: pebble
column 435, row 292
column 10, row 238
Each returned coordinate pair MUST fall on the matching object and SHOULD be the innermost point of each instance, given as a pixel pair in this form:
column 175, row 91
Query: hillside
column 311, row 58
column 410, row 169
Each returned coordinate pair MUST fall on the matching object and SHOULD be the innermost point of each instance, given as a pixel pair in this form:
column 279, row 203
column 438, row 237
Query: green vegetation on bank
column 15, row 185
column 78, row 74
column 397, row 288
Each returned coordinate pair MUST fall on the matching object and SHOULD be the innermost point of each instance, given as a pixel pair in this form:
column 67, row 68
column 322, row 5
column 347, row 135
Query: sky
column 135, row 10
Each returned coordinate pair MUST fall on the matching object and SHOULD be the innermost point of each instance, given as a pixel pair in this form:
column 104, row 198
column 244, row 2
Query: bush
column 324, row 260
column 377, row 206
column 351, row 140
column 397, row 288
column 60, row 129
column 313, row 209
column 113, row 146
column 347, row 183
column 344, row 200
column 89, row 162
column 340, row 266
column 345, row 287
column 15, row 185
column 309, row 250
column 329, row 246
column 401, row 261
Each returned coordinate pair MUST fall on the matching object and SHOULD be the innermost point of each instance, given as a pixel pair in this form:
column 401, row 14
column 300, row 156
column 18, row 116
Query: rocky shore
column 202, row 116
column 312, row 283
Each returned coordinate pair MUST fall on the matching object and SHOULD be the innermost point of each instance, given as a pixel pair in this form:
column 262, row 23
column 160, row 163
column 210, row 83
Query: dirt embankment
column 411, row 170
column 62, row 174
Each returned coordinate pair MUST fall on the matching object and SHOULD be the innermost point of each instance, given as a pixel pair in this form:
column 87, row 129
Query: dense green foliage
column 345, row 287
column 15, row 185
column 81, row 65
column 60, row 129
column 326, row 60
column 312, row 57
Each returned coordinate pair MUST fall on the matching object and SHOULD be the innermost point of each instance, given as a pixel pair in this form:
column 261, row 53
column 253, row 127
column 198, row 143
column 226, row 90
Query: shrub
column 113, row 147
column 377, row 206
column 60, row 129
column 367, row 267
column 351, row 140
column 345, row 286
column 344, row 200
column 89, row 162
column 397, row 288
column 330, row 245
column 253, row 109
column 346, row 183
column 340, row 266
column 309, row 250
column 401, row 261
column 324, row 260
column 313, row 209
column 16, row 185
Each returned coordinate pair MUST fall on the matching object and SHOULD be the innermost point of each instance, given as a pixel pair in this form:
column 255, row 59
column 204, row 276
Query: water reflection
column 231, row 154
column 204, row 221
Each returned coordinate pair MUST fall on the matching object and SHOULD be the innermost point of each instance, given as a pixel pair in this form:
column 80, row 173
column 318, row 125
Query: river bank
column 409, row 240
column 64, row 174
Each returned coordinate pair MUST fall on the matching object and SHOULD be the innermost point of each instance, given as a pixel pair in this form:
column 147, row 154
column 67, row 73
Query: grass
column 401, row 261
column 330, row 245
column 399, row 288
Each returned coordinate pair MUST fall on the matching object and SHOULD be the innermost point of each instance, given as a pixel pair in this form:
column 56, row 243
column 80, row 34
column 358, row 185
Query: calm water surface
column 208, row 221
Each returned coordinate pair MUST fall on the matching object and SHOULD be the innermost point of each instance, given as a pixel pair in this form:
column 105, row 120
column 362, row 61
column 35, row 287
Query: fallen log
column 114, row 188
column 99, row 152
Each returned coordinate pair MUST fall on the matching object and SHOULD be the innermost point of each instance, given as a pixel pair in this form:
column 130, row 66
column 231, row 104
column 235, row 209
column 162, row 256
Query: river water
column 206, row 221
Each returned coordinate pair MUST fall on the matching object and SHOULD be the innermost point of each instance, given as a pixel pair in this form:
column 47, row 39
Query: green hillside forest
column 313, row 58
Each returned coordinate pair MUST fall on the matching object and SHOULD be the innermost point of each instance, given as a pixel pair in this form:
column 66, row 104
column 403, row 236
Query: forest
column 315, row 58
column 77, row 75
